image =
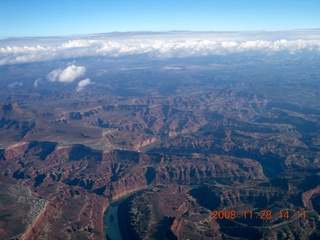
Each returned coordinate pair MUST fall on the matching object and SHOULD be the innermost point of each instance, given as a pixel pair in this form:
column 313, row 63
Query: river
column 111, row 222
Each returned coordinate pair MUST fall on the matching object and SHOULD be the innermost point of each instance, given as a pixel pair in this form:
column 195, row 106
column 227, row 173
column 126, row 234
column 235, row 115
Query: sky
column 19, row 18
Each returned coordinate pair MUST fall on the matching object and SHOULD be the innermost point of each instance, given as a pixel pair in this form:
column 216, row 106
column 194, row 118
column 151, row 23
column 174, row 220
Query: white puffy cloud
column 83, row 83
column 67, row 75
column 15, row 84
column 158, row 45
column 37, row 82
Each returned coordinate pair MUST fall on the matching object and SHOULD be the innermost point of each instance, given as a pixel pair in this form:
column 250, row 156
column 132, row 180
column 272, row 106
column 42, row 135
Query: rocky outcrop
column 306, row 196
column 77, row 181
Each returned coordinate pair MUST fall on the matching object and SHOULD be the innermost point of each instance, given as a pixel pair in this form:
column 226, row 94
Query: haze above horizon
column 65, row 18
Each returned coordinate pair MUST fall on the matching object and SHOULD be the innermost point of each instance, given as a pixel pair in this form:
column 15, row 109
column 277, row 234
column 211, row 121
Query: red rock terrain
column 213, row 145
column 79, row 182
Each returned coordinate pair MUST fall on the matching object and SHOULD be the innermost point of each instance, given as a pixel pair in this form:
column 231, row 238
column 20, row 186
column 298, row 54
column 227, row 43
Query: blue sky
column 70, row 17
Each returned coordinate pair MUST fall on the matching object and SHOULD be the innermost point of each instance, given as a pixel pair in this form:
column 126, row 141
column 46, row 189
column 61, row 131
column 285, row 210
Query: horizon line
column 158, row 32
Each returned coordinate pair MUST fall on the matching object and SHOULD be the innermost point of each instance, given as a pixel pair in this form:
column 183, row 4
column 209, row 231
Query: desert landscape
column 174, row 139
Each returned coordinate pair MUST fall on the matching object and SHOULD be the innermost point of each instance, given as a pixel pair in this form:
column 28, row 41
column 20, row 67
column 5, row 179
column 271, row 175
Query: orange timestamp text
column 262, row 214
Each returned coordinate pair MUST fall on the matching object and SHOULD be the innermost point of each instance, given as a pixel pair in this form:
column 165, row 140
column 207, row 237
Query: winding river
column 111, row 222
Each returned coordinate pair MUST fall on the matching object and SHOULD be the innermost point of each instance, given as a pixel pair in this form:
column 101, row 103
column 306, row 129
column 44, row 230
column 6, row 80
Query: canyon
column 182, row 142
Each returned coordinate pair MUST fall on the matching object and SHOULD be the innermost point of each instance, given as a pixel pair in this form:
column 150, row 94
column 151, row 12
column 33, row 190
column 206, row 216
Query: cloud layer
column 66, row 75
column 154, row 46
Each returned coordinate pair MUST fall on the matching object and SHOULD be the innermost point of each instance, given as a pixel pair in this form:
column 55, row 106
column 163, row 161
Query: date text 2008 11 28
column 262, row 214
